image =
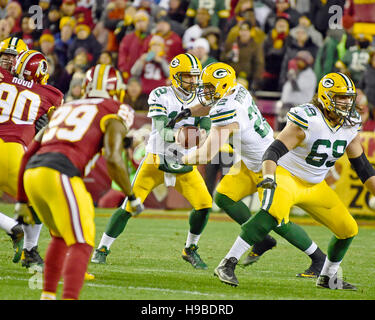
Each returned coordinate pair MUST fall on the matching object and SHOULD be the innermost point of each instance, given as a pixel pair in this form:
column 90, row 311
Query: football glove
column 136, row 204
column 185, row 113
column 41, row 123
column 268, row 182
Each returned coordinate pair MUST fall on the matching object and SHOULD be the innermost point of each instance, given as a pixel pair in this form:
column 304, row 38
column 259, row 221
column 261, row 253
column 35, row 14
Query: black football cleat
column 258, row 249
column 334, row 283
column 225, row 271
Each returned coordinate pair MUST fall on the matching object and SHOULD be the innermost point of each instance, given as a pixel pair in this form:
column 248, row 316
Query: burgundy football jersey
column 76, row 129
column 21, row 104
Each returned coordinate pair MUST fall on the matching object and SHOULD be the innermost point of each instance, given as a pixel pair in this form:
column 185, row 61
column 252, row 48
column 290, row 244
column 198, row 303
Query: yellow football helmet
column 333, row 85
column 216, row 81
column 187, row 64
column 9, row 47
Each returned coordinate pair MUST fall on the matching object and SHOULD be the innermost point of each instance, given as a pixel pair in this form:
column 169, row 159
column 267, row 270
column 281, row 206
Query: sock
column 53, row 264
column 257, row 227
column 238, row 211
column 117, row 223
column 192, row 239
column 106, row 241
column 330, row 268
column 198, row 220
column 239, row 247
column 315, row 254
column 7, row 223
column 75, row 266
column 31, row 235
column 337, row 248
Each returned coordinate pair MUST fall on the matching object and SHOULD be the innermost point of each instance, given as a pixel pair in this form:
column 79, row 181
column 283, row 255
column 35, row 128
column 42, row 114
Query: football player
column 26, row 101
column 294, row 167
column 158, row 166
column 53, row 177
column 234, row 114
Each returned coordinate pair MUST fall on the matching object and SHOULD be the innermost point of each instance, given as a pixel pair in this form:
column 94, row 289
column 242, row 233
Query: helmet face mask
column 217, row 80
column 337, row 94
column 184, row 71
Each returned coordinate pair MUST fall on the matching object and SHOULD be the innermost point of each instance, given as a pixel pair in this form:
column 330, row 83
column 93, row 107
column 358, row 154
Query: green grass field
column 145, row 264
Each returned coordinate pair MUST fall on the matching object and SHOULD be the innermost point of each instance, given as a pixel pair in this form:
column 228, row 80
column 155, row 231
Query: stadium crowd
column 283, row 45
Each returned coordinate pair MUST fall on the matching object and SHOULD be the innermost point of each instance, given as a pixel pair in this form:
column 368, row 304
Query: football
column 188, row 137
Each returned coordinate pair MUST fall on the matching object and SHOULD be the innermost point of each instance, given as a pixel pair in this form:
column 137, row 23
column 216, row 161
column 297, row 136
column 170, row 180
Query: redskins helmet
column 334, row 85
column 104, row 81
column 216, row 81
column 31, row 65
column 9, row 47
column 181, row 64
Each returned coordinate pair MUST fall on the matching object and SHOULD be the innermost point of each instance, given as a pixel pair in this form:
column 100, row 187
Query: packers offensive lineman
column 234, row 115
column 294, row 167
column 159, row 165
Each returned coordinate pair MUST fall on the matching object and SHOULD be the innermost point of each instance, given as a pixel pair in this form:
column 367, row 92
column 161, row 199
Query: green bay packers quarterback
column 234, row 115
column 294, row 167
column 159, row 165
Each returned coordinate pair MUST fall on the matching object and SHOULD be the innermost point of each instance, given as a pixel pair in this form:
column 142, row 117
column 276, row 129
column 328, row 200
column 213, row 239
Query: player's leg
column 147, row 177
column 229, row 199
column 10, row 160
column 193, row 187
column 329, row 210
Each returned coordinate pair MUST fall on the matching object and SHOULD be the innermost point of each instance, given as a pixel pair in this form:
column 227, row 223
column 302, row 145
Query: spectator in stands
column 67, row 8
column 14, row 15
column 47, row 43
column 64, row 39
column 105, row 58
column 58, row 75
column 212, row 34
column 195, row 31
column 177, row 10
column 284, row 8
column 27, row 33
column 274, row 50
column 80, row 63
column 75, row 88
column 85, row 39
column 114, row 13
column 3, row 8
column 246, row 55
column 53, row 19
column 127, row 54
column 126, row 25
column 356, row 59
column 366, row 112
column 299, row 87
column 362, row 13
column 301, row 41
column 367, row 83
column 217, row 9
column 134, row 95
column 315, row 35
column 152, row 67
column 4, row 29
column 176, row 26
column 201, row 49
column 243, row 10
column 172, row 41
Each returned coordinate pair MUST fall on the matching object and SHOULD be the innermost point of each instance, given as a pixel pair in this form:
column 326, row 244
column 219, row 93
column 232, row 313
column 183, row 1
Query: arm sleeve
column 166, row 133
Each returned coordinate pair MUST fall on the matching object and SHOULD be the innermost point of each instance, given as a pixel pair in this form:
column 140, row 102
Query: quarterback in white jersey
column 294, row 167
column 234, row 115
column 160, row 166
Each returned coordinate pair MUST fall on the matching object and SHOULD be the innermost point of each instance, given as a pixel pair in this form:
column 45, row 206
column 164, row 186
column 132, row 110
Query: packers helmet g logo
column 220, row 73
column 328, row 83
column 175, row 63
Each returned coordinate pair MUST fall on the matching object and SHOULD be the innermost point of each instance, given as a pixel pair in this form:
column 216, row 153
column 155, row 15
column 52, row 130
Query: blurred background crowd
column 279, row 48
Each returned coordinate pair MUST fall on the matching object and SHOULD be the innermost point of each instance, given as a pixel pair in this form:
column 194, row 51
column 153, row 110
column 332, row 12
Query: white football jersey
column 254, row 134
column 322, row 146
column 163, row 101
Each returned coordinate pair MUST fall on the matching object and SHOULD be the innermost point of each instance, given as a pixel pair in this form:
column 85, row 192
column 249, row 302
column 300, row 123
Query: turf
column 145, row 264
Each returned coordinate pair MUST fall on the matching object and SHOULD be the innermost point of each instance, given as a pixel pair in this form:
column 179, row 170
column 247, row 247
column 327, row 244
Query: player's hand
column 185, row 113
column 41, row 123
column 268, row 182
column 23, row 213
column 136, row 205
